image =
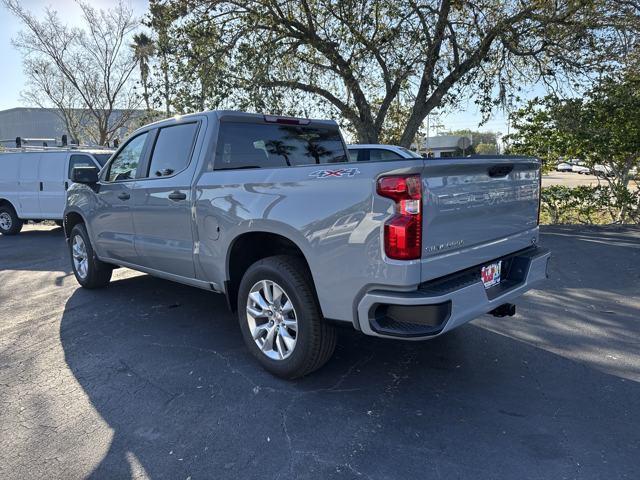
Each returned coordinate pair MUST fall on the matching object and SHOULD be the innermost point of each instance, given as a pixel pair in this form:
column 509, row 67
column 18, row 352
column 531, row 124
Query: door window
column 382, row 155
column 125, row 165
column 172, row 150
column 79, row 161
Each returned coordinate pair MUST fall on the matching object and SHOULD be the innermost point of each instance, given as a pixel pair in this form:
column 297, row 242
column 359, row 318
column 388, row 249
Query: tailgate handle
column 499, row 170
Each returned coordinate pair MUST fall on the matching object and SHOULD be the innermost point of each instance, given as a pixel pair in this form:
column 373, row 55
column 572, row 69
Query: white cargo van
column 33, row 183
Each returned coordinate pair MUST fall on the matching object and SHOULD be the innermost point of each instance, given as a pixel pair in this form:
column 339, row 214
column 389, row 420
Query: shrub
column 589, row 205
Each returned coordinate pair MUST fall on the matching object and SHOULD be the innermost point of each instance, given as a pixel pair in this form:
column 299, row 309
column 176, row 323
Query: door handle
column 177, row 196
column 124, row 196
column 41, row 186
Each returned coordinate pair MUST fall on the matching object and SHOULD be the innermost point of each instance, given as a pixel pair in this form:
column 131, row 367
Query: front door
column 112, row 222
column 162, row 206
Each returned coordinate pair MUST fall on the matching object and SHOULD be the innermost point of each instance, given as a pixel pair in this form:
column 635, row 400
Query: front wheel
column 10, row 224
column 280, row 318
column 88, row 270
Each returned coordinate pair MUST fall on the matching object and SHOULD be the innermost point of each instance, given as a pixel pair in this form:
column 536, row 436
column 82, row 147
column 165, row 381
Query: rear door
column 162, row 201
column 112, row 222
column 29, row 186
column 52, row 175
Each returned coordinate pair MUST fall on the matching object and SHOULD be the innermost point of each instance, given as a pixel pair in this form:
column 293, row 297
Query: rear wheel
column 280, row 318
column 88, row 270
column 10, row 224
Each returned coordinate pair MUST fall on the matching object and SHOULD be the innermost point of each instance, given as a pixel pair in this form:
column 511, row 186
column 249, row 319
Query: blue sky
column 13, row 78
column 68, row 11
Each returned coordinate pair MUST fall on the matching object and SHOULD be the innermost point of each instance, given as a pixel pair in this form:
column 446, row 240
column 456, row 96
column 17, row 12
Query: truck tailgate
column 475, row 210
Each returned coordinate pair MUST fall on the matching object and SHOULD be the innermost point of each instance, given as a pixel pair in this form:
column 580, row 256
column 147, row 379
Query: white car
column 603, row 171
column 581, row 168
column 374, row 152
column 33, row 184
column 564, row 167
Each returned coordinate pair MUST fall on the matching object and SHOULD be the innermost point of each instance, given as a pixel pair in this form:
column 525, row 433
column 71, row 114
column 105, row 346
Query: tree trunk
column 165, row 73
column 145, row 85
column 367, row 132
column 411, row 130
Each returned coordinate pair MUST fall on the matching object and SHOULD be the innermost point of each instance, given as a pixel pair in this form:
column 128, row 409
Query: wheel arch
column 71, row 219
column 249, row 247
column 7, row 202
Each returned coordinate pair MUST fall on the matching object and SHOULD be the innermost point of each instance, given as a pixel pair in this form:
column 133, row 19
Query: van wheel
column 88, row 270
column 10, row 224
column 280, row 318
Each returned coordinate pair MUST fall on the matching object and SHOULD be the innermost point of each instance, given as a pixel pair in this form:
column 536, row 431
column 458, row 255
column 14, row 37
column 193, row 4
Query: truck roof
column 236, row 115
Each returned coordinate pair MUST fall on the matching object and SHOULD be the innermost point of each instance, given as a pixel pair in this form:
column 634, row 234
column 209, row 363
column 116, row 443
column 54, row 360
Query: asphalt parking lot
column 149, row 379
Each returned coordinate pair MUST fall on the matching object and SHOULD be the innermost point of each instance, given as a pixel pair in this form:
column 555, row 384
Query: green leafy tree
column 143, row 50
column 486, row 148
column 602, row 128
column 355, row 58
column 159, row 19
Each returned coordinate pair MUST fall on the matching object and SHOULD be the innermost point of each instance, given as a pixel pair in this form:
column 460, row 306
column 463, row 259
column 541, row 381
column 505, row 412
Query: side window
column 258, row 145
column 353, row 155
column 125, row 165
column 79, row 161
column 381, row 155
column 172, row 150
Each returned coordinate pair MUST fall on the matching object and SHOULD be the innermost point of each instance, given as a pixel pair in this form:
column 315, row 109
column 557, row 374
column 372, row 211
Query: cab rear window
column 255, row 145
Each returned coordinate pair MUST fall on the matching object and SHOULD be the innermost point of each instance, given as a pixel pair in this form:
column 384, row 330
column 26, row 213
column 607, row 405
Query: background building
column 446, row 146
column 45, row 123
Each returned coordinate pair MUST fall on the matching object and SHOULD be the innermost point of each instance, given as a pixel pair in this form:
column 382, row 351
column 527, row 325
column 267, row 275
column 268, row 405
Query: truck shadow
column 165, row 367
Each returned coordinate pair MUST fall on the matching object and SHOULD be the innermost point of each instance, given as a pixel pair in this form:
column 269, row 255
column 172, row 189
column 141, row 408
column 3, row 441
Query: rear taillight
column 403, row 231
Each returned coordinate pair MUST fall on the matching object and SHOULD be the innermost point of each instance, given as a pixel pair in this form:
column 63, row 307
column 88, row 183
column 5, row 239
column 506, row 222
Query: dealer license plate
column 491, row 274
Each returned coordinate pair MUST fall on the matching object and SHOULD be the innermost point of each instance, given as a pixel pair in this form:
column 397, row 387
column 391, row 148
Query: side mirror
column 86, row 175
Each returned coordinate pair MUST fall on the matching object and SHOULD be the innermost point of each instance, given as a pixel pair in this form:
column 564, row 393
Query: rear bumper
column 448, row 302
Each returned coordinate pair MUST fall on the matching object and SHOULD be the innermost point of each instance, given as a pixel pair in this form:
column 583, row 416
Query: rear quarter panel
column 335, row 221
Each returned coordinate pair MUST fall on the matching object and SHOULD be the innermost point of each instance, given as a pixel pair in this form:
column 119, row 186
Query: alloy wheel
column 80, row 260
column 272, row 320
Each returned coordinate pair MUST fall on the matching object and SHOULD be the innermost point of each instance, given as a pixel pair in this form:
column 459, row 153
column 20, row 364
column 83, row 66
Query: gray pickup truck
column 270, row 212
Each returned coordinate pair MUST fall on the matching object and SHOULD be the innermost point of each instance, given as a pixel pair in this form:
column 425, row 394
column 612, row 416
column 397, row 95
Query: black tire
column 11, row 224
column 315, row 338
column 98, row 273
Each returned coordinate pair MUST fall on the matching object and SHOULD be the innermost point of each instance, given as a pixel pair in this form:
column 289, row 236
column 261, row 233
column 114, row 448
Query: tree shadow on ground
column 166, row 368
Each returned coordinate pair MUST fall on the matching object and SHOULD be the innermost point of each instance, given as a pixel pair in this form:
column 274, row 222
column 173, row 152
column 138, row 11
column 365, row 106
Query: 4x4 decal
column 340, row 172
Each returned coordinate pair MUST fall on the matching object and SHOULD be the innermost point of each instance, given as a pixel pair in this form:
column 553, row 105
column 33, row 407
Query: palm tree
column 144, row 49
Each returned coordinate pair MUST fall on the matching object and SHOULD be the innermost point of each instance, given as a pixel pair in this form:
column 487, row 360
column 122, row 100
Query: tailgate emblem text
column 444, row 246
